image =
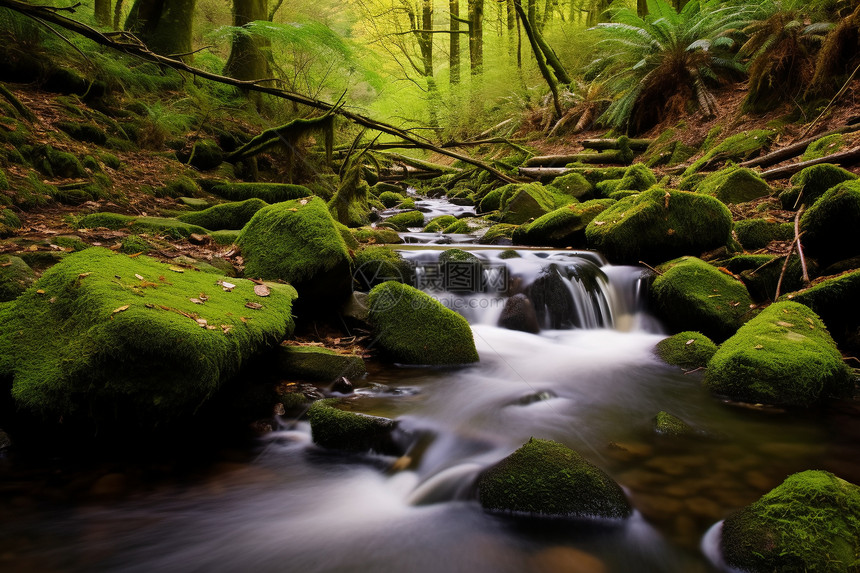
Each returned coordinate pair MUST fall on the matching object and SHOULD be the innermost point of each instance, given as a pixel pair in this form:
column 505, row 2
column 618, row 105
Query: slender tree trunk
column 544, row 70
column 551, row 58
column 102, row 12
column 642, row 7
column 476, row 36
column 165, row 26
column 597, row 13
column 117, row 14
column 454, row 42
column 247, row 59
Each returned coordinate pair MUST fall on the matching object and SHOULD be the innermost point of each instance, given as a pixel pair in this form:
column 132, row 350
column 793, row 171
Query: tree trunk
column 454, row 43
column 544, row 70
column 597, row 13
column 642, row 7
column 247, row 59
column 476, row 36
column 552, row 59
column 165, row 26
column 102, row 12
column 117, row 14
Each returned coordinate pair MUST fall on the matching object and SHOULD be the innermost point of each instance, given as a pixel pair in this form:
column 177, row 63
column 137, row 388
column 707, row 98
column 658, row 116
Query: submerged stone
column 547, row 479
column 336, row 428
column 665, row 424
column 318, row 364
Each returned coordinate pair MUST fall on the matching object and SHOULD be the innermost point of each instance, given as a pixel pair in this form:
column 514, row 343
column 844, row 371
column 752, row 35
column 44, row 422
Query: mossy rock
column 194, row 204
column 350, row 204
column 182, row 186
column 318, row 364
column 86, row 132
column 734, row 185
column 595, row 175
column 573, row 185
column 563, row 227
column 498, row 233
column 520, row 203
column 691, row 294
column 134, row 245
column 659, row 224
column 458, row 227
column 637, row 178
column 492, row 201
column 810, row 522
column 70, row 242
column 811, row 183
column 756, row 234
column 9, row 222
column 622, row 194
column 110, row 160
column 390, row 199
column 738, row 147
column 760, row 273
column 461, row 271
column 403, row 221
column 55, row 163
column 205, row 155
column 414, row 328
column 665, row 424
column 298, row 241
column 117, row 348
column 158, row 225
column 688, row 349
column 547, row 479
column 823, row 147
column 268, row 192
column 225, row 216
column 667, row 150
column 379, row 264
column 837, row 301
column 439, row 223
column 16, row 276
column 225, row 237
column 378, row 236
column 830, row 226
column 334, row 427
column 382, row 187
column 783, row 356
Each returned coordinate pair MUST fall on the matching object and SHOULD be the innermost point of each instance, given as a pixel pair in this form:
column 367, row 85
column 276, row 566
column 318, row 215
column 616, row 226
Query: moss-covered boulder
column 462, row 272
column 637, row 178
column 823, row 147
column 9, row 222
column 111, row 338
column 414, row 328
column 390, row 199
column 756, row 234
column 404, row 221
column 690, row 294
column 16, row 276
column 458, row 227
column 83, row 131
column 375, row 265
column 761, row 273
column 333, row 426
column 375, row 236
column 563, row 227
column 225, row 216
column 205, row 155
column 573, row 185
column 810, row 522
column 666, row 424
column 547, row 479
column 498, row 234
column 837, row 301
column 439, row 223
column 810, row 184
column 783, row 356
column 688, row 349
column 268, row 192
column 734, row 185
column 519, row 203
column 298, row 241
column 659, row 224
column 738, row 147
column 156, row 225
column 830, row 226
column 318, row 364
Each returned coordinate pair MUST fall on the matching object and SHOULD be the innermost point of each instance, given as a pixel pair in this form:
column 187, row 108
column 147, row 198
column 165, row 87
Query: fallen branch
column 850, row 157
column 798, row 148
column 635, row 144
column 551, row 160
column 543, row 173
column 799, row 246
column 289, row 134
column 785, row 266
column 831, row 102
column 135, row 48
column 23, row 110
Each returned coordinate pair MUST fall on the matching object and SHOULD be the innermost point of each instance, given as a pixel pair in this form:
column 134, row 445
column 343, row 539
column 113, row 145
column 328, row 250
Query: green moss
column 113, row 221
column 70, row 242
column 110, row 160
column 622, row 194
column 378, row 189
column 659, row 224
column 563, row 227
column 225, row 237
column 439, row 223
column 738, row 147
column 205, row 155
column 16, row 276
column 665, row 424
column 811, row 183
column 491, row 201
column 403, row 221
column 734, row 185
column 690, row 294
column 133, row 244
column 687, row 349
column 225, row 216
column 376, row 265
column 297, row 241
column 268, row 192
column 116, row 347
column 667, row 150
column 498, row 232
column 637, row 178
column 810, row 522
column 376, row 236
column 318, row 364
column 9, row 222
column 390, row 199
column 823, row 147
column 335, row 428
column 761, row 273
column 573, row 185
column 830, row 226
column 459, row 227
column 545, row 478
column 413, row 328
column 4, row 181
column 182, row 186
column 408, row 203
column 83, row 132
column 157, row 225
column 756, row 234
column 55, row 163
column 519, row 203
column 783, row 356
column 836, row 301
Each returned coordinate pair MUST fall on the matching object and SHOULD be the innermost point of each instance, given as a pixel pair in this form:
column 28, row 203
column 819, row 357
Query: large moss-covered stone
column 318, row 364
column 439, row 223
column 109, row 337
column 734, row 185
column 403, row 221
column 377, row 264
column 333, row 426
column 761, row 273
column 16, row 276
column 414, row 328
column 837, row 302
column 637, row 178
column 810, row 522
column 519, row 203
column 547, row 479
column 225, row 216
column 754, row 234
column 738, row 147
column 562, row 227
column 659, row 224
column 573, row 185
column 690, row 294
column 688, row 349
column 298, row 241
column 783, row 356
column 810, row 184
column 832, row 225
column 268, row 192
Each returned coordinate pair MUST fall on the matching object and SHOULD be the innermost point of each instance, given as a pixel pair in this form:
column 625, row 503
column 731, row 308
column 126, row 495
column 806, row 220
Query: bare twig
column 837, row 96
column 785, row 266
column 799, row 246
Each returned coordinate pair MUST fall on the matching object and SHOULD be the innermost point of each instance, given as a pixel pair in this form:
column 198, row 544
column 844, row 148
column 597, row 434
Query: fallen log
column 634, row 144
column 851, row 157
column 543, row 173
column 619, row 157
column 551, row 160
column 795, row 149
column 420, row 164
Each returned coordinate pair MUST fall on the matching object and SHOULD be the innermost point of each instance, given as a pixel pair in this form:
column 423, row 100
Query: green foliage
column 545, row 478
column 783, row 356
column 268, row 192
column 116, row 347
column 688, row 349
column 659, row 63
column 225, row 216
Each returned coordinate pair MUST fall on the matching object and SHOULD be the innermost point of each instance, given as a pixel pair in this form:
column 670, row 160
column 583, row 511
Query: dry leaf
column 225, row 328
column 714, row 295
column 303, row 202
column 243, row 319
column 689, row 342
column 196, row 300
column 176, row 269
column 202, row 296
column 138, row 277
column 84, row 275
column 6, row 264
column 758, row 346
column 135, row 255
column 123, row 308
column 227, row 286
column 253, row 305
column 202, row 322
column 785, row 324
column 40, row 291
column 293, row 209
column 211, row 327
column 261, row 290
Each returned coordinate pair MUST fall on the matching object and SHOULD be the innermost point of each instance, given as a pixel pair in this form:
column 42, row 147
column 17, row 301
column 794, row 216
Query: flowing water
column 592, row 383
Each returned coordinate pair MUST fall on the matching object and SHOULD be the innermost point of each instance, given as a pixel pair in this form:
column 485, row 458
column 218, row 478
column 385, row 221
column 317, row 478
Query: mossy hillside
column 783, row 356
column 547, row 479
column 573, row 185
column 336, row 428
column 738, row 147
column 268, row 192
column 225, row 216
column 688, row 349
column 690, row 294
column 155, row 225
column 390, row 199
column 760, row 273
column 404, row 221
column 378, row 264
column 810, row 522
column 659, row 224
column 811, row 183
column 823, row 147
column 298, row 241
column 756, row 234
column 113, row 346
column 439, row 223
column 665, row 424
column 414, row 328
column 563, row 227
column 16, row 276
column 318, row 364
column 830, row 226
column 734, row 185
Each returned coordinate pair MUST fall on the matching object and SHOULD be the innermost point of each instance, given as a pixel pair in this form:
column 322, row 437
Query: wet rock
column 334, row 427
column 5, row 441
column 552, row 300
column 462, row 272
column 665, row 424
column 546, row 479
column 830, row 228
column 688, row 349
column 519, row 314
column 343, row 386
column 315, row 363
column 535, row 397
column 356, row 308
